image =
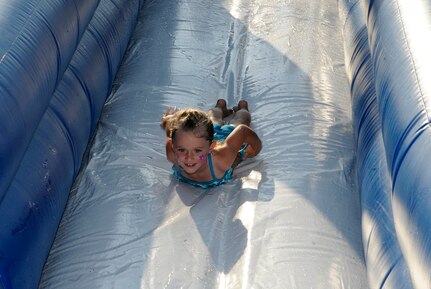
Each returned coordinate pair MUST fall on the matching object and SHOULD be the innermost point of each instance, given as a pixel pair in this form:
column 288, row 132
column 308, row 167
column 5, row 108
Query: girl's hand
column 170, row 111
column 243, row 154
column 250, row 152
column 167, row 116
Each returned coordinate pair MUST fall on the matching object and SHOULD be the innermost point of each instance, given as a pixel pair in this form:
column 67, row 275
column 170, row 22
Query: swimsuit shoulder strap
column 210, row 163
column 178, row 171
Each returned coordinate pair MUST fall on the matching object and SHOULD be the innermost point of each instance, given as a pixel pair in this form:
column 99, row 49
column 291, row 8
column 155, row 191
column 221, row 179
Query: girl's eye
column 181, row 150
column 198, row 151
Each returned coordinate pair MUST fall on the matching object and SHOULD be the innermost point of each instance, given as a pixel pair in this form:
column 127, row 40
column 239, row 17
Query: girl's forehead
column 188, row 138
column 188, row 134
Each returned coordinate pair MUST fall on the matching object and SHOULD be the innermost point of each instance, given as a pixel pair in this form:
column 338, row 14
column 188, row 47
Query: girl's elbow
column 258, row 147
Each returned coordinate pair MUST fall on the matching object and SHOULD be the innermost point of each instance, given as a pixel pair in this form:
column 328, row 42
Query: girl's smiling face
column 191, row 151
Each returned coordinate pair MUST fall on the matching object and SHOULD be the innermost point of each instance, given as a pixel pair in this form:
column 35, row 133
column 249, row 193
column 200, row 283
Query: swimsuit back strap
column 210, row 163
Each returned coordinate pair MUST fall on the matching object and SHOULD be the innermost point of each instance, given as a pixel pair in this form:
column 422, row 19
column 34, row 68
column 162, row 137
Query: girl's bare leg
column 242, row 115
column 219, row 112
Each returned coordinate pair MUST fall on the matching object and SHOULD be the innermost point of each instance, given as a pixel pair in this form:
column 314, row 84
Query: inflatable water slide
column 339, row 197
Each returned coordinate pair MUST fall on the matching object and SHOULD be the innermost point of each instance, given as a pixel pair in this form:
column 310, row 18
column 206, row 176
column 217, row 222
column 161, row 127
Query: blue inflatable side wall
column 388, row 62
column 399, row 35
column 385, row 262
column 37, row 43
column 59, row 59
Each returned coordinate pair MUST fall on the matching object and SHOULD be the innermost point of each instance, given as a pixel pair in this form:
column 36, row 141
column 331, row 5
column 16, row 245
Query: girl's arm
column 165, row 124
column 242, row 134
column 167, row 118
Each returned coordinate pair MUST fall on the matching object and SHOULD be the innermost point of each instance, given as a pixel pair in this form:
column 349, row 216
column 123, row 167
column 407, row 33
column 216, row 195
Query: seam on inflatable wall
column 20, row 33
column 349, row 13
column 388, row 273
column 397, row 164
column 78, row 22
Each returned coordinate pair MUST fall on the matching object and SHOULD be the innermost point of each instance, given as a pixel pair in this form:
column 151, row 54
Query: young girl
column 204, row 151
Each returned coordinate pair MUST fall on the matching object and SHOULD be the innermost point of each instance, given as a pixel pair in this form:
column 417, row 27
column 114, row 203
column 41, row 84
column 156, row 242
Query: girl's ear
column 212, row 145
column 170, row 154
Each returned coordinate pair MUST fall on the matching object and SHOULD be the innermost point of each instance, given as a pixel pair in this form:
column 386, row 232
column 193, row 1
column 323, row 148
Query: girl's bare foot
column 221, row 103
column 242, row 115
column 242, row 104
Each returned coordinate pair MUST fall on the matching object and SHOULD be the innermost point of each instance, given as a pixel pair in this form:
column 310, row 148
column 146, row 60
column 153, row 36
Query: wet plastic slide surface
column 291, row 216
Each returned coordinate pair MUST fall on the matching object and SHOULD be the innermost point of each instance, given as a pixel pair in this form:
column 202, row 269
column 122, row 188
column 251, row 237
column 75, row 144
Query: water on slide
column 291, row 216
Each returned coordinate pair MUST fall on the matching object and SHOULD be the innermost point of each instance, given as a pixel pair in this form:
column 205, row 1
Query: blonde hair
column 191, row 120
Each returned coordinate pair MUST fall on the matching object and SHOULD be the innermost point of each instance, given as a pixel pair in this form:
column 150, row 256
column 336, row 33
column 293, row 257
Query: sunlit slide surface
column 291, row 216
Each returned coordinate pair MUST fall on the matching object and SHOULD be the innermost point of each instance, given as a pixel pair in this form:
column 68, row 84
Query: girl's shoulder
column 223, row 158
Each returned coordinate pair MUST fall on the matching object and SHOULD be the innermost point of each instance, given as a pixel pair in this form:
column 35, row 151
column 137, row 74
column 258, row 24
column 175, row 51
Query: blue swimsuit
column 220, row 134
column 205, row 185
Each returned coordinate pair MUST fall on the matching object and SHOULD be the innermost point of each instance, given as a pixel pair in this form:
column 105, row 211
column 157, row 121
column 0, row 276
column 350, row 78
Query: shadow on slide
column 291, row 216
